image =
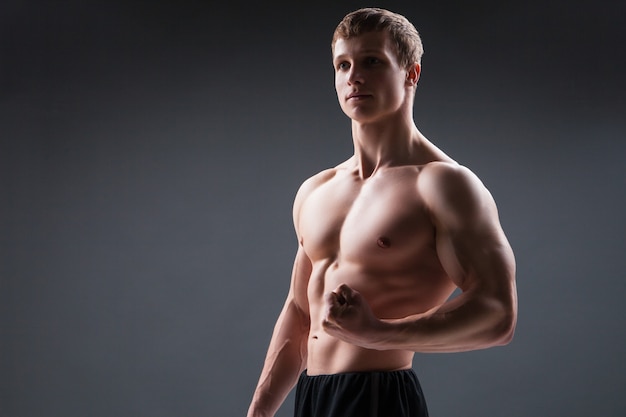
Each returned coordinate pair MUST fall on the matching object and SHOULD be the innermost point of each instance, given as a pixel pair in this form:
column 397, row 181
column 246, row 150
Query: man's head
column 405, row 37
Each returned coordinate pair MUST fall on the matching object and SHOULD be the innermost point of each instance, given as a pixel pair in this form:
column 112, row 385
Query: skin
column 384, row 240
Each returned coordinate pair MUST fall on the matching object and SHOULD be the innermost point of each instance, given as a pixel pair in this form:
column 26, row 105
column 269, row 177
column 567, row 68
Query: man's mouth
column 357, row 96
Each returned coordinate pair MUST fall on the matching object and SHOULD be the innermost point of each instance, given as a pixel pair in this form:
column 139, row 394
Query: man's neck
column 379, row 145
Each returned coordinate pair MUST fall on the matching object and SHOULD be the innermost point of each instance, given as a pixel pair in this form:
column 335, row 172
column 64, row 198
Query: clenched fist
column 348, row 317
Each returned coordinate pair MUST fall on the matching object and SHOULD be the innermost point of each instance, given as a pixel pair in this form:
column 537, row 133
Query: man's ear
column 413, row 74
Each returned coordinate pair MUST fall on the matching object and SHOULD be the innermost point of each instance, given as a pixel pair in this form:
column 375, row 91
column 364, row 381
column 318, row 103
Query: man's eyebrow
column 361, row 52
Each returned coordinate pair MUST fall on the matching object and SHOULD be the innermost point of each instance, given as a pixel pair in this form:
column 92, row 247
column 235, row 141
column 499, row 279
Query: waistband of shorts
column 360, row 373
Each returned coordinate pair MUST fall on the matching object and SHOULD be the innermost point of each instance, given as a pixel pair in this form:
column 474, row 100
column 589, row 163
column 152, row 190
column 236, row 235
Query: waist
column 327, row 355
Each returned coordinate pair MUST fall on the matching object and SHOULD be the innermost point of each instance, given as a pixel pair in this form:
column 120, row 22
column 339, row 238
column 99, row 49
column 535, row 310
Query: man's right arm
column 287, row 352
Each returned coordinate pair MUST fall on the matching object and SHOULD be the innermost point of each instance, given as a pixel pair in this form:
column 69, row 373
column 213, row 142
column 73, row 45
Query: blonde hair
column 405, row 37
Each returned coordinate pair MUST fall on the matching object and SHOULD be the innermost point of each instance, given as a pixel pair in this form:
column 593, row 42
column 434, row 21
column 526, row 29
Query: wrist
column 254, row 412
column 382, row 335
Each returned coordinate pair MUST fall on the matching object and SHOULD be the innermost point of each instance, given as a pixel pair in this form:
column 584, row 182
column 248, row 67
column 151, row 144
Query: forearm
column 285, row 360
column 278, row 377
column 462, row 324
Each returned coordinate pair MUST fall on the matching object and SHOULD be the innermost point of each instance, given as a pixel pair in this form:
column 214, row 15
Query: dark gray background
column 150, row 152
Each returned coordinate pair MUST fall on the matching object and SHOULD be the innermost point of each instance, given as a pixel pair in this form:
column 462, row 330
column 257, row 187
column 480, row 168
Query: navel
column 383, row 242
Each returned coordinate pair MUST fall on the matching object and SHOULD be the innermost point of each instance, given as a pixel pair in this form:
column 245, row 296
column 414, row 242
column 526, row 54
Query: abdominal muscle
column 389, row 296
column 328, row 355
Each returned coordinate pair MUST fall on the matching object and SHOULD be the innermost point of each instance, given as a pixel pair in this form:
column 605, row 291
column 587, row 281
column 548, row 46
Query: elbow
column 499, row 318
column 502, row 308
column 505, row 337
column 504, row 327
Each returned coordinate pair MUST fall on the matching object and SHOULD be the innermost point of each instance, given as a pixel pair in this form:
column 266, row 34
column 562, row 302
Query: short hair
column 405, row 37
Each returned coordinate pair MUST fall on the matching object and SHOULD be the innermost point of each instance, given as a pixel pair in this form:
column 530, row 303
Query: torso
column 376, row 236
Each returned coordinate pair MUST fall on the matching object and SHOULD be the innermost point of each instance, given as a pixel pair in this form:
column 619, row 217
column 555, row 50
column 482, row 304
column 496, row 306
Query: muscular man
column 384, row 240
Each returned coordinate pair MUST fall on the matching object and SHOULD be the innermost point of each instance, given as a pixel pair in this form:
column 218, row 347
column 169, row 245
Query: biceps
column 477, row 258
column 449, row 258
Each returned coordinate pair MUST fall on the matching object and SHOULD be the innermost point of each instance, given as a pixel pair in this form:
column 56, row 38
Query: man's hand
column 348, row 317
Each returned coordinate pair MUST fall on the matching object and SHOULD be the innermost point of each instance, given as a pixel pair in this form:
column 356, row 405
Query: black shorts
column 360, row 394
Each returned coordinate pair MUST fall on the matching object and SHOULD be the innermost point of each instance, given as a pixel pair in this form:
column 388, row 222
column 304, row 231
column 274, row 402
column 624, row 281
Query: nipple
column 383, row 242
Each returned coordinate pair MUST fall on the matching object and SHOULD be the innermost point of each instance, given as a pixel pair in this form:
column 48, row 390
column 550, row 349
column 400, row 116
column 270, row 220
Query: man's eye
column 343, row 65
column 372, row 61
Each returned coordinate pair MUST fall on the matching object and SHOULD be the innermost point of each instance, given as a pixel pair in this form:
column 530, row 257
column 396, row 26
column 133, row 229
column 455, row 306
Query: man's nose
column 355, row 76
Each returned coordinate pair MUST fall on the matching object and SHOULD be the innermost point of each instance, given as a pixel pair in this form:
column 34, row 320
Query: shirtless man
column 384, row 240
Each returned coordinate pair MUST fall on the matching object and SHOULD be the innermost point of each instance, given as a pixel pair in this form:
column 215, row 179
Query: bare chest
column 375, row 223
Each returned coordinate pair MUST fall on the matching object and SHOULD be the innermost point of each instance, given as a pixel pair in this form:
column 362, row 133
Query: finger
column 332, row 308
column 329, row 325
column 344, row 293
column 333, row 300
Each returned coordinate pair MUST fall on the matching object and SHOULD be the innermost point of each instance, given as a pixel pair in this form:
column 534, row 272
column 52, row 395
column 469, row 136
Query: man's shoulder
column 323, row 177
column 453, row 189
column 316, row 180
column 446, row 173
column 311, row 184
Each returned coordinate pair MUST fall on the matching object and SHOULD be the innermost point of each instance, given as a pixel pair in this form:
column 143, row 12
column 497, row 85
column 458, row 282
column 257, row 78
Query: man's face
column 369, row 81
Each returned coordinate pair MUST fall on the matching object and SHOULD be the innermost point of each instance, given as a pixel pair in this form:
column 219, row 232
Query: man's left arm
column 474, row 252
